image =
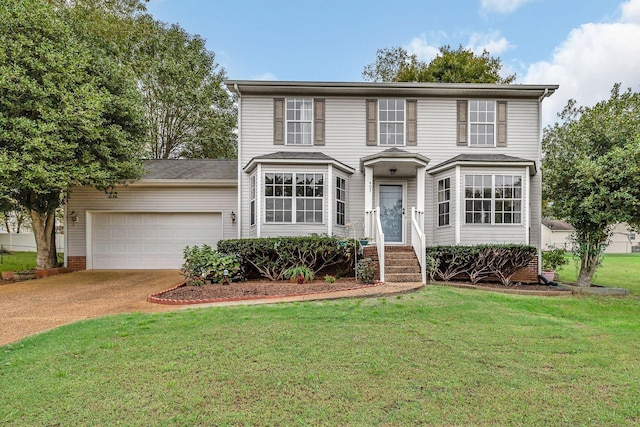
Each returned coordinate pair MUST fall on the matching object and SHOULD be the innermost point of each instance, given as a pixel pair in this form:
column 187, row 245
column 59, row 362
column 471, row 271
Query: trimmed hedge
column 479, row 262
column 271, row 257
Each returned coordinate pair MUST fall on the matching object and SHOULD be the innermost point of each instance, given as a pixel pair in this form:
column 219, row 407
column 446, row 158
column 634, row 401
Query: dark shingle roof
column 481, row 158
column 557, row 225
column 192, row 169
column 293, row 156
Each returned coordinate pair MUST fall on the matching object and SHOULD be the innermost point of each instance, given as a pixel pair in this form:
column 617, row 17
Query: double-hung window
column 482, row 123
column 341, row 201
column 444, row 201
column 493, row 199
column 290, row 197
column 252, row 194
column 392, row 118
column 299, row 121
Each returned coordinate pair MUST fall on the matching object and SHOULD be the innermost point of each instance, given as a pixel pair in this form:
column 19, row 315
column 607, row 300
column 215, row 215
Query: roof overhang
column 496, row 163
column 405, row 89
column 403, row 163
column 298, row 161
column 185, row 183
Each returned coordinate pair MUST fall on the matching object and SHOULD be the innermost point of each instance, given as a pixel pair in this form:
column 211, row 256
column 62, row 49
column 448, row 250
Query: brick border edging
column 154, row 298
column 39, row 274
column 554, row 293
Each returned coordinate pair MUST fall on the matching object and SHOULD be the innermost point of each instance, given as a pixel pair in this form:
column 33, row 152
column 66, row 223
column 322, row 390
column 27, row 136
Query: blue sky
column 584, row 46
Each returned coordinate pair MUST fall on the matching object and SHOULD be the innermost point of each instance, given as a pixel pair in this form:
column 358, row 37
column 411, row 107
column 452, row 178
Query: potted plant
column 364, row 241
column 301, row 274
column 552, row 261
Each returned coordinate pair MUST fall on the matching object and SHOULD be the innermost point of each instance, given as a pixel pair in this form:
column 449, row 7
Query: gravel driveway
column 39, row 305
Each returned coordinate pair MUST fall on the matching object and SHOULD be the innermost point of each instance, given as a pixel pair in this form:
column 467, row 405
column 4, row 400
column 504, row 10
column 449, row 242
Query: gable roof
column 557, row 225
column 483, row 159
column 297, row 157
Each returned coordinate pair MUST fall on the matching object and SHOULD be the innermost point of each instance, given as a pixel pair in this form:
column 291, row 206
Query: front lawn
column 620, row 270
column 441, row 356
column 18, row 261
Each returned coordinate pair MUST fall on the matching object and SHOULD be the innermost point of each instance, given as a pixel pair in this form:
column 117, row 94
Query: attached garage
column 149, row 240
column 148, row 223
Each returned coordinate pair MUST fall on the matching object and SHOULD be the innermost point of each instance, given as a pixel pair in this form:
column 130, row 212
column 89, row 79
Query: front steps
column 400, row 263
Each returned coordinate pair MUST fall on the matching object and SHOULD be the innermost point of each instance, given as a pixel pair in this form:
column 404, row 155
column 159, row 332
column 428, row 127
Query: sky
column 585, row 46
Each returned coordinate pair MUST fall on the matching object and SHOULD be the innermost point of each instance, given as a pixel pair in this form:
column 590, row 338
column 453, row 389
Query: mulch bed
column 252, row 289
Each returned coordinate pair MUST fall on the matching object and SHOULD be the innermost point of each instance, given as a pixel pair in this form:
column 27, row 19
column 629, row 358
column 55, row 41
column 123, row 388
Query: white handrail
column 418, row 241
column 379, row 236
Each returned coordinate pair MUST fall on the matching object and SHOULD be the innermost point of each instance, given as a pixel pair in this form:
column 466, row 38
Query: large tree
column 69, row 115
column 189, row 112
column 449, row 66
column 591, row 172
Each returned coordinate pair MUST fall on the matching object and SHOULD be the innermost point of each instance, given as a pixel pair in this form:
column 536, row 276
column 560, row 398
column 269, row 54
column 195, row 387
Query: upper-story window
column 392, row 117
column 482, row 118
column 299, row 121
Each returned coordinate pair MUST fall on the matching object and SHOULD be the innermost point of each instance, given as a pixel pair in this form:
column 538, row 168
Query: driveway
column 39, row 305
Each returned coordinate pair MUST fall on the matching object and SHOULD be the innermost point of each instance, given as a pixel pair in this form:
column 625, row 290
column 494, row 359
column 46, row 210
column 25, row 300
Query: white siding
column 149, row 199
column 345, row 135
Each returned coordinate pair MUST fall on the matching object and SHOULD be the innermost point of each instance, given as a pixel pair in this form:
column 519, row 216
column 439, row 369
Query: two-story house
column 401, row 163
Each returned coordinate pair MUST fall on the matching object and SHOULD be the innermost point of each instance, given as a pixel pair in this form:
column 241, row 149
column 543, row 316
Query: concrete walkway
column 36, row 306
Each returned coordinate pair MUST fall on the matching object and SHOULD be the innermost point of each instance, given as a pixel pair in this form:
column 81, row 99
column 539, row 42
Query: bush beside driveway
column 39, row 305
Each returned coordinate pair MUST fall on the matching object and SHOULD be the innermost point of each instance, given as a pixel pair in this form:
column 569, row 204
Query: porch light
column 233, row 216
column 73, row 216
column 393, row 171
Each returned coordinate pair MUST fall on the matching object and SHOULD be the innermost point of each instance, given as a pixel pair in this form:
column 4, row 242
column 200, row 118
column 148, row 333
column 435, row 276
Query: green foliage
column 294, row 272
column 69, row 115
column 329, row 279
column 271, row 257
column 553, row 260
column 478, row 262
column 591, row 172
column 366, row 270
column 204, row 262
column 449, row 66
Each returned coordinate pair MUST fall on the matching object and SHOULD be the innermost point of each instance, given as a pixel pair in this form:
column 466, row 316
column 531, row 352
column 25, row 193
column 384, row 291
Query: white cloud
column 590, row 61
column 501, row 6
column 421, row 48
column 265, row 76
column 492, row 42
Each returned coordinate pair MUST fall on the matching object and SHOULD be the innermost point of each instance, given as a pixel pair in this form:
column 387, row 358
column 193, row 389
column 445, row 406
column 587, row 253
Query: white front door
column 391, row 203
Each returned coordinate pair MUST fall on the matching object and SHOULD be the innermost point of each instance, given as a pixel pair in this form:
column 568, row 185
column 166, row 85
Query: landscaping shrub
column 271, row 257
column 479, row 262
column 202, row 262
column 366, row 270
column 553, row 260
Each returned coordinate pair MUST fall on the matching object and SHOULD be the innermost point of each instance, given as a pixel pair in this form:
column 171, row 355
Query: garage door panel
column 150, row 240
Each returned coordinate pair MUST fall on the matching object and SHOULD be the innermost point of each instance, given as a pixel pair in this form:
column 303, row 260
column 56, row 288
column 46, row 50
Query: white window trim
column 495, row 124
column 438, row 202
column 253, row 191
column 287, row 121
column 346, row 197
column 293, row 200
column 493, row 201
column 404, row 123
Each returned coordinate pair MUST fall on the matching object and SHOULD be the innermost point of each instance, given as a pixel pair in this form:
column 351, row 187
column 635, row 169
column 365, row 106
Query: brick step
column 399, row 255
column 398, row 269
column 395, row 248
column 403, row 277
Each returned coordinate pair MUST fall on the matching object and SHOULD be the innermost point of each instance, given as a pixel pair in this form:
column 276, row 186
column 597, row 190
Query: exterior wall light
column 233, row 216
column 393, row 171
column 73, row 216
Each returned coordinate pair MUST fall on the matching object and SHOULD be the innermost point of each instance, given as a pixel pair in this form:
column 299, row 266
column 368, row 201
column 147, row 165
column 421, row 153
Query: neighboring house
column 557, row 234
column 401, row 163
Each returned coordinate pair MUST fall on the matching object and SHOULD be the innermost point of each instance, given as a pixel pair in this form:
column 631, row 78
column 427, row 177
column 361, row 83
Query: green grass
column 18, row 261
column 441, row 356
column 620, row 270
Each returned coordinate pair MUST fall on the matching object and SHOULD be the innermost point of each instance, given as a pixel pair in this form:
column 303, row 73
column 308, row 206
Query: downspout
column 538, row 226
column 239, row 190
column 65, row 262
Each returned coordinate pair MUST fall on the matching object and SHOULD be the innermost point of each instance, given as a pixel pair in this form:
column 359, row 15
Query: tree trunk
column 44, row 232
column 588, row 265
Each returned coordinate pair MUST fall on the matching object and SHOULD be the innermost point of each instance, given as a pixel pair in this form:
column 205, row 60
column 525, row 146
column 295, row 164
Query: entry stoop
column 401, row 264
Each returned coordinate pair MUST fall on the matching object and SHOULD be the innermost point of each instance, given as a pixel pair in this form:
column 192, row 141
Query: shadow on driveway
column 38, row 305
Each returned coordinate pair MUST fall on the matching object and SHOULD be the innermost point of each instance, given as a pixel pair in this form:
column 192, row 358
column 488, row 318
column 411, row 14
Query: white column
column 331, row 192
column 458, row 192
column 420, row 173
column 368, row 188
column 526, row 209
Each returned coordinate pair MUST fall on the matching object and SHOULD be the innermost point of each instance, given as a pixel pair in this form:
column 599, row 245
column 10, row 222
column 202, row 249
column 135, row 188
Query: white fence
column 25, row 242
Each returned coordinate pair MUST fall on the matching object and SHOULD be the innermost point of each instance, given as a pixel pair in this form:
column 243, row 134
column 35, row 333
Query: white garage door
column 149, row 240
